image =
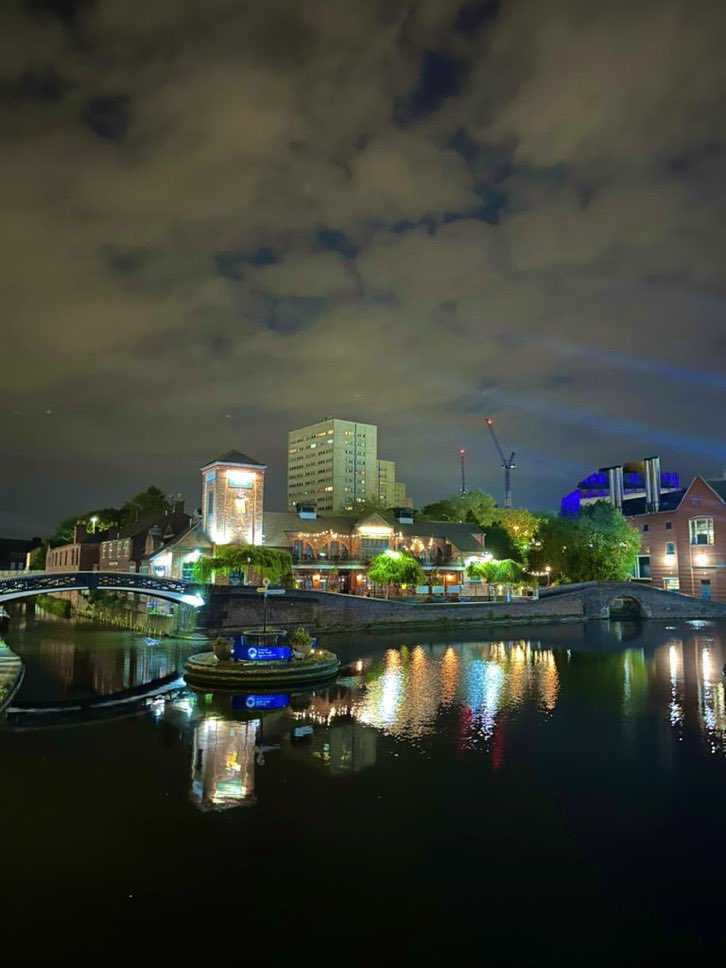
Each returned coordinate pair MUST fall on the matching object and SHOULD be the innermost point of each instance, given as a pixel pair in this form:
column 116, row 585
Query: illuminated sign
column 242, row 652
column 241, row 479
column 374, row 529
column 276, row 701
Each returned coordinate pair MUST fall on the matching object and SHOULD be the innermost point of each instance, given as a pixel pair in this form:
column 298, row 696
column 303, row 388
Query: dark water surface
column 511, row 796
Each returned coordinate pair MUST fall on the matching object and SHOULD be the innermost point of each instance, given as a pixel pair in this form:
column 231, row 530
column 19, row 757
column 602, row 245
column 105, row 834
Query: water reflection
column 223, row 763
column 465, row 696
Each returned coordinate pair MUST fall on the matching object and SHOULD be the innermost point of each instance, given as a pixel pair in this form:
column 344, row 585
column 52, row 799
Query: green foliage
column 474, row 507
column 506, row 572
column 596, row 544
column 509, row 572
column 300, row 640
column 363, row 509
column 498, row 541
column 36, row 562
column 146, row 503
column 265, row 562
column 56, row 606
column 521, row 526
column 395, row 568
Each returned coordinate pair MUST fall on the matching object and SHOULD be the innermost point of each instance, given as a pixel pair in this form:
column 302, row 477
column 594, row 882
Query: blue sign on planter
column 277, row 701
column 243, row 652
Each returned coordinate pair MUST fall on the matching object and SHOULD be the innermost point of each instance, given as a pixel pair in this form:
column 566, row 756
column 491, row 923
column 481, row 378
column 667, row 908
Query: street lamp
column 94, row 522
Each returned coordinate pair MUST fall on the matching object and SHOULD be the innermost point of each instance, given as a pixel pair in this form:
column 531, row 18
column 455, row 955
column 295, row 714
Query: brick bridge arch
column 597, row 597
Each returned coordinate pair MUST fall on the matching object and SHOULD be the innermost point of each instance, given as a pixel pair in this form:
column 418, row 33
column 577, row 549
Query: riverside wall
column 231, row 609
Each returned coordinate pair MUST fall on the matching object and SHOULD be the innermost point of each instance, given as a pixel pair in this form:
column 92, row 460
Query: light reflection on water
column 463, row 695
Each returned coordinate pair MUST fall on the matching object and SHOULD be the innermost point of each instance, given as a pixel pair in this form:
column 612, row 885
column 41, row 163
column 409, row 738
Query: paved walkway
column 11, row 673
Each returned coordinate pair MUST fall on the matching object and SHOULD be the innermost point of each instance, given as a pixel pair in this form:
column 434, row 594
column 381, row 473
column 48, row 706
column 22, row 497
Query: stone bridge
column 46, row 583
column 597, row 598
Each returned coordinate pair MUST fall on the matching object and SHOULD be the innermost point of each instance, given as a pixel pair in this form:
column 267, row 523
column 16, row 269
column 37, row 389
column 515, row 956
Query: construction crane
column 462, row 455
column 507, row 463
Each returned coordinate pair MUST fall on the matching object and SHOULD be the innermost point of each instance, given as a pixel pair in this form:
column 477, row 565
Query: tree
column 362, row 509
column 144, row 504
column 395, row 568
column 596, row 544
column 485, row 572
column 265, row 562
column 506, row 572
column 100, row 519
column 521, row 526
column 475, row 507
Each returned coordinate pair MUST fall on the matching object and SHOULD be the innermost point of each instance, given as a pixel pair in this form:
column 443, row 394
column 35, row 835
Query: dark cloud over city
column 222, row 220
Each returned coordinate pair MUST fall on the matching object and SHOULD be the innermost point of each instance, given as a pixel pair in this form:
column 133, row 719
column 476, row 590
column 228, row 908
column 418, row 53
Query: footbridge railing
column 44, row 583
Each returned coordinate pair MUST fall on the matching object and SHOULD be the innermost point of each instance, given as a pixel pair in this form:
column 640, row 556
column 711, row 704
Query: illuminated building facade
column 331, row 552
column 233, row 490
column 125, row 548
column 334, row 464
column 391, row 492
column 683, row 539
column 619, row 483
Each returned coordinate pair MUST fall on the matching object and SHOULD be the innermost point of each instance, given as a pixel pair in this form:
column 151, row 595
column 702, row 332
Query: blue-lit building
column 631, row 478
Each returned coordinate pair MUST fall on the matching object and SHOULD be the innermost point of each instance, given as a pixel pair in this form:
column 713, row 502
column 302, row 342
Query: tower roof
column 235, row 457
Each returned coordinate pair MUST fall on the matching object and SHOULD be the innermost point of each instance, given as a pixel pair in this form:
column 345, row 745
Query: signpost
column 265, row 590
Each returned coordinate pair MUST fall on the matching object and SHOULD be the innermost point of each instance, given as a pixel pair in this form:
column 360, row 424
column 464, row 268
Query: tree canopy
column 596, row 544
column 265, row 562
column 475, row 507
column 395, row 568
column 146, row 503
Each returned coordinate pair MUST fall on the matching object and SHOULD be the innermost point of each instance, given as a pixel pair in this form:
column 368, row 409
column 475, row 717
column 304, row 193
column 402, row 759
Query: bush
column 300, row 640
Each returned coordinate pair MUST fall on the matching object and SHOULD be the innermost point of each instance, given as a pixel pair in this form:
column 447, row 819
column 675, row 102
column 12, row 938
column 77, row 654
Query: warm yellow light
column 374, row 529
column 701, row 560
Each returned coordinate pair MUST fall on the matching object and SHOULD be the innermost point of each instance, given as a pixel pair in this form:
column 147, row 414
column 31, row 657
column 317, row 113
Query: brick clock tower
column 233, row 491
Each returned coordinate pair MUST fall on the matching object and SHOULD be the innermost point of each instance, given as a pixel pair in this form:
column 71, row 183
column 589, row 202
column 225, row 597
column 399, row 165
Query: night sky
column 224, row 219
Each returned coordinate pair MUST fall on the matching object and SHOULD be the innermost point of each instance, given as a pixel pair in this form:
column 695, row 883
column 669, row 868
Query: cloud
column 224, row 219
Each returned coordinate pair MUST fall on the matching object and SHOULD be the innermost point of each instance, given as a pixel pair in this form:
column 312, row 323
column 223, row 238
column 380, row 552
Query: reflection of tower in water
column 223, row 764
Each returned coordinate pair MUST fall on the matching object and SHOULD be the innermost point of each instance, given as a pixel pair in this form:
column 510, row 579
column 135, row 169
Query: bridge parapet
column 39, row 583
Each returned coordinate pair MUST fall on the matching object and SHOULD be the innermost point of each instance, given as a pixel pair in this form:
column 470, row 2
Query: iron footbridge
column 46, row 583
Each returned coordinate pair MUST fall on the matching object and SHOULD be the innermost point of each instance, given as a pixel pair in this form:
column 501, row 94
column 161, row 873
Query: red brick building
column 683, row 542
column 81, row 554
column 124, row 549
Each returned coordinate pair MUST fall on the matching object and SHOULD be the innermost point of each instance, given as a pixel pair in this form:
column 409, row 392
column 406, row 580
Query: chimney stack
column 79, row 531
column 651, row 474
column 178, row 505
column 615, row 485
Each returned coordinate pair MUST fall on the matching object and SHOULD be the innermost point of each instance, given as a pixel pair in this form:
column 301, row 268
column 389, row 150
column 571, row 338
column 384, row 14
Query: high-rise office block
column 334, row 464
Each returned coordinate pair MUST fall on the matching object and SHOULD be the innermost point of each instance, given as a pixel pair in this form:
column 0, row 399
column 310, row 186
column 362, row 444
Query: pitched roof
column 235, row 457
column 175, row 519
column 278, row 524
column 191, row 536
column 670, row 500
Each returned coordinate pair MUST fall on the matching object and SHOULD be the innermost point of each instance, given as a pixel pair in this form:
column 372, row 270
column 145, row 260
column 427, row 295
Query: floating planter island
column 261, row 658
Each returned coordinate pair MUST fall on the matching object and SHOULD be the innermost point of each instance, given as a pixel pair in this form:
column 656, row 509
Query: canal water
column 511, row 795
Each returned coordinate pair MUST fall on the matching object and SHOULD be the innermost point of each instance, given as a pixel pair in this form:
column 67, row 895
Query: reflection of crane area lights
column 508, row 463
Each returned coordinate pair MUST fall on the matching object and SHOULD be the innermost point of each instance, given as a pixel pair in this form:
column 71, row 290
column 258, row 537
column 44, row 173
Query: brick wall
column 692, row 563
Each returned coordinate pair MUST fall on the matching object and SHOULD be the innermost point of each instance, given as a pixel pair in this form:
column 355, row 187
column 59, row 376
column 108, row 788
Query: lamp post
column 94, row 522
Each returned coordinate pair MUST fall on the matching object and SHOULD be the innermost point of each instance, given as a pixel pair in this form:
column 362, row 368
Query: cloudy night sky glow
column 222, row 220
